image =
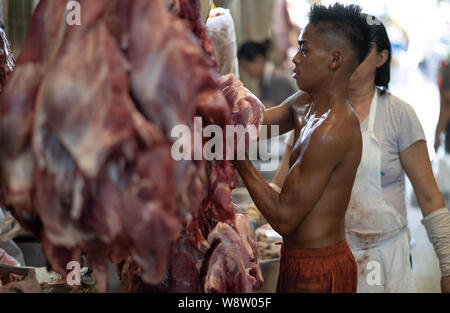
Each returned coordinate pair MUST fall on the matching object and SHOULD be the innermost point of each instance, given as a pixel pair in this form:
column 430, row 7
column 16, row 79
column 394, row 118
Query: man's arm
column 281, row 174
column 303, row 186
column 252, row 211
column 282, row 114
column 417, row 166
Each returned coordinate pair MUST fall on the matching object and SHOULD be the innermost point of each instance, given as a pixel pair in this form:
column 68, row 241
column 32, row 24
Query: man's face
column 312, row 60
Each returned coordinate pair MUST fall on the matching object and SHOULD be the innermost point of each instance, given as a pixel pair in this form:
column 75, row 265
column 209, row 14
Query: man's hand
column 445, row 284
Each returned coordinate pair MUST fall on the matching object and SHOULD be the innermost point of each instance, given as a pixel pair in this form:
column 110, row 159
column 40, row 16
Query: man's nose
column 295, row 59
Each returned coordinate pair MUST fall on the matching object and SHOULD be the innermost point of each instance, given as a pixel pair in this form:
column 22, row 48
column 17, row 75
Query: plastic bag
column 7, row 61
column 221, row 31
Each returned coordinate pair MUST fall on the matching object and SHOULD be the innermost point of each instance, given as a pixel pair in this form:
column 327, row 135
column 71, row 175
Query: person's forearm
column 252, row 212
column 272, row 119
column 444, row 116
column 280, row 116
column 266, row 199
column 417, row 166
column 431, row 203
column 442, row 124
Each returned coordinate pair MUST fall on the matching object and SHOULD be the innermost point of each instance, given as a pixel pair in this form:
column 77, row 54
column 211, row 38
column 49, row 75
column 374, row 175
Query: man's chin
column 300, row 84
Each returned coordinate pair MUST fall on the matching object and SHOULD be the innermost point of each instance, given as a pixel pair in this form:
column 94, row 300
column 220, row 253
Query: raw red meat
column 17, row 112
column 169, row 61
column 190, row 11
column 85, row 123
column 233, row 272
column 246, row 109
column 11, row 282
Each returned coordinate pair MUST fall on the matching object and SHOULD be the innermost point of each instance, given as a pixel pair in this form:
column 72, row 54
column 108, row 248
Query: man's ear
column 382, row 57
column 336, row 59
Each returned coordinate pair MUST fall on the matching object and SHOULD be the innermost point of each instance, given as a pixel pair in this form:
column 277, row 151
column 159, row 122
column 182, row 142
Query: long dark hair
column 380, row 38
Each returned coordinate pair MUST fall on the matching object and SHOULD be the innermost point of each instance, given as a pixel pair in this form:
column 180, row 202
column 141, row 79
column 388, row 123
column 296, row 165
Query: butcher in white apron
column 376, row 232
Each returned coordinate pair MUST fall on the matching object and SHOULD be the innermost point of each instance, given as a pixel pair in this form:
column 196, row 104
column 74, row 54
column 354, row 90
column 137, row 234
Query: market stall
column 203, row 147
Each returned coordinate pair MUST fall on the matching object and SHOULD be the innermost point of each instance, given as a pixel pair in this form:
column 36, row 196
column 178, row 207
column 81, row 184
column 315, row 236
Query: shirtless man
column 309, row 211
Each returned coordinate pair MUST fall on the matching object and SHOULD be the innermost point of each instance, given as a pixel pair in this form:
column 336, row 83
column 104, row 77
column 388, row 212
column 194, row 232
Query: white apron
column 376, row 232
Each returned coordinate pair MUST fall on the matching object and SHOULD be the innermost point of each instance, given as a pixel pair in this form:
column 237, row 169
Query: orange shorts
column 324, row 270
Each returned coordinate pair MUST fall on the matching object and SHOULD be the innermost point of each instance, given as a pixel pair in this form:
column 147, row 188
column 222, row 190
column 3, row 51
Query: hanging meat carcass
column 85, row 123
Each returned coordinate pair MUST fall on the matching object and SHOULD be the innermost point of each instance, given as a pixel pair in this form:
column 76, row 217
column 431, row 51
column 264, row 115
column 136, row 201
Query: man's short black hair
column 346, row 22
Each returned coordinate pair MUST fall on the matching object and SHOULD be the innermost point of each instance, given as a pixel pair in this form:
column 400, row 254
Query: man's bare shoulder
column 325, row 151
column 336, row 136
column 329, row 135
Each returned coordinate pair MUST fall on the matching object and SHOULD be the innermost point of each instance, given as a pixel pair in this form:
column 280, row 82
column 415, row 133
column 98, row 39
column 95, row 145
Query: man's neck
column 326, row 98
